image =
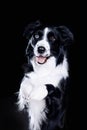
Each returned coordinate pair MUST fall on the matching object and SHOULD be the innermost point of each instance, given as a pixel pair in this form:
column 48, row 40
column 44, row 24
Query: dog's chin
column 41, row 59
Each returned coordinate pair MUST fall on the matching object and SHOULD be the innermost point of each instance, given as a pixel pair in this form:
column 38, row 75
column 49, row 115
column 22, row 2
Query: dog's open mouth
column 41, row 59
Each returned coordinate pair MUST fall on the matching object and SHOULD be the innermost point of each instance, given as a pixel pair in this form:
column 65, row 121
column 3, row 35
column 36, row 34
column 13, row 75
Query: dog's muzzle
column 42, row 52
column 41, row 58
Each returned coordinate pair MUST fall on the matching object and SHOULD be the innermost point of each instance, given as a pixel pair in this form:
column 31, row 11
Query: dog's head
column 46, row 41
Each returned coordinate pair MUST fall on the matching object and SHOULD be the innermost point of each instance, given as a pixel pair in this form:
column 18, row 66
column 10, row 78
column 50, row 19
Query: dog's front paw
column 39, row 93
column 24, row 95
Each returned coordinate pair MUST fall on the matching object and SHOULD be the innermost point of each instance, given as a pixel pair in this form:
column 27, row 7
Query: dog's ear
column 30, row 28
column 66, row 36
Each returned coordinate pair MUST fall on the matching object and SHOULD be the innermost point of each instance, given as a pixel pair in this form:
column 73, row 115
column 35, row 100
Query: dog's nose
column 41, row 49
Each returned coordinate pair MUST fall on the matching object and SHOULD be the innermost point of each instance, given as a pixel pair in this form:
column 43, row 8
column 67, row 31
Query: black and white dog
column 41, row 91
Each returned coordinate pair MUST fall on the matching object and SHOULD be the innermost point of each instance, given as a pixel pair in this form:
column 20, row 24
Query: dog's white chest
column 49, row 73
column 33, row 89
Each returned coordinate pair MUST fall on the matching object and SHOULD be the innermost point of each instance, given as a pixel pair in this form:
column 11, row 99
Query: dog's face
column 45, row 41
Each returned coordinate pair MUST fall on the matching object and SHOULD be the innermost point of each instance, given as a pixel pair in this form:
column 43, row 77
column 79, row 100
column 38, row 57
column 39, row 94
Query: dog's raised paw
column 39, row 93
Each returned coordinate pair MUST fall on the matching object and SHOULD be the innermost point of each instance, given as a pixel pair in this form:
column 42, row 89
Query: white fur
column 48, row 73
column 36, row 113
column 46, row 30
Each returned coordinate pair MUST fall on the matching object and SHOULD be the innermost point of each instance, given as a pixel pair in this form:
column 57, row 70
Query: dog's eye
column 52, row 38
column 36, row 36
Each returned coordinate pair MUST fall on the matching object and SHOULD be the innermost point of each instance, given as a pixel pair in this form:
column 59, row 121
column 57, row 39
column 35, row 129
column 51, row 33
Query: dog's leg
column 24, row 93
column 56, row 105
column 28, row 91
column 39, row 93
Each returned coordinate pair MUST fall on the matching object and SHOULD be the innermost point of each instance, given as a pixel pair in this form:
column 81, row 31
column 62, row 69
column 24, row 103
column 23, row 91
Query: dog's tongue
column 41, row 59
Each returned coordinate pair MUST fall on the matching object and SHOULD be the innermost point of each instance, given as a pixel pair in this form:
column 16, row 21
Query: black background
column 13, row 19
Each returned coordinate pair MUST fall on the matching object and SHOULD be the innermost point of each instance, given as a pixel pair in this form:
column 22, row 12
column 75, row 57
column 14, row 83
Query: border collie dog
column 43, row 86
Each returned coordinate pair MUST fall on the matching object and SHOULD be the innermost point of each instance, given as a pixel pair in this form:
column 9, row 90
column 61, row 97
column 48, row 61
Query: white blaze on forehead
column 46, row 30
